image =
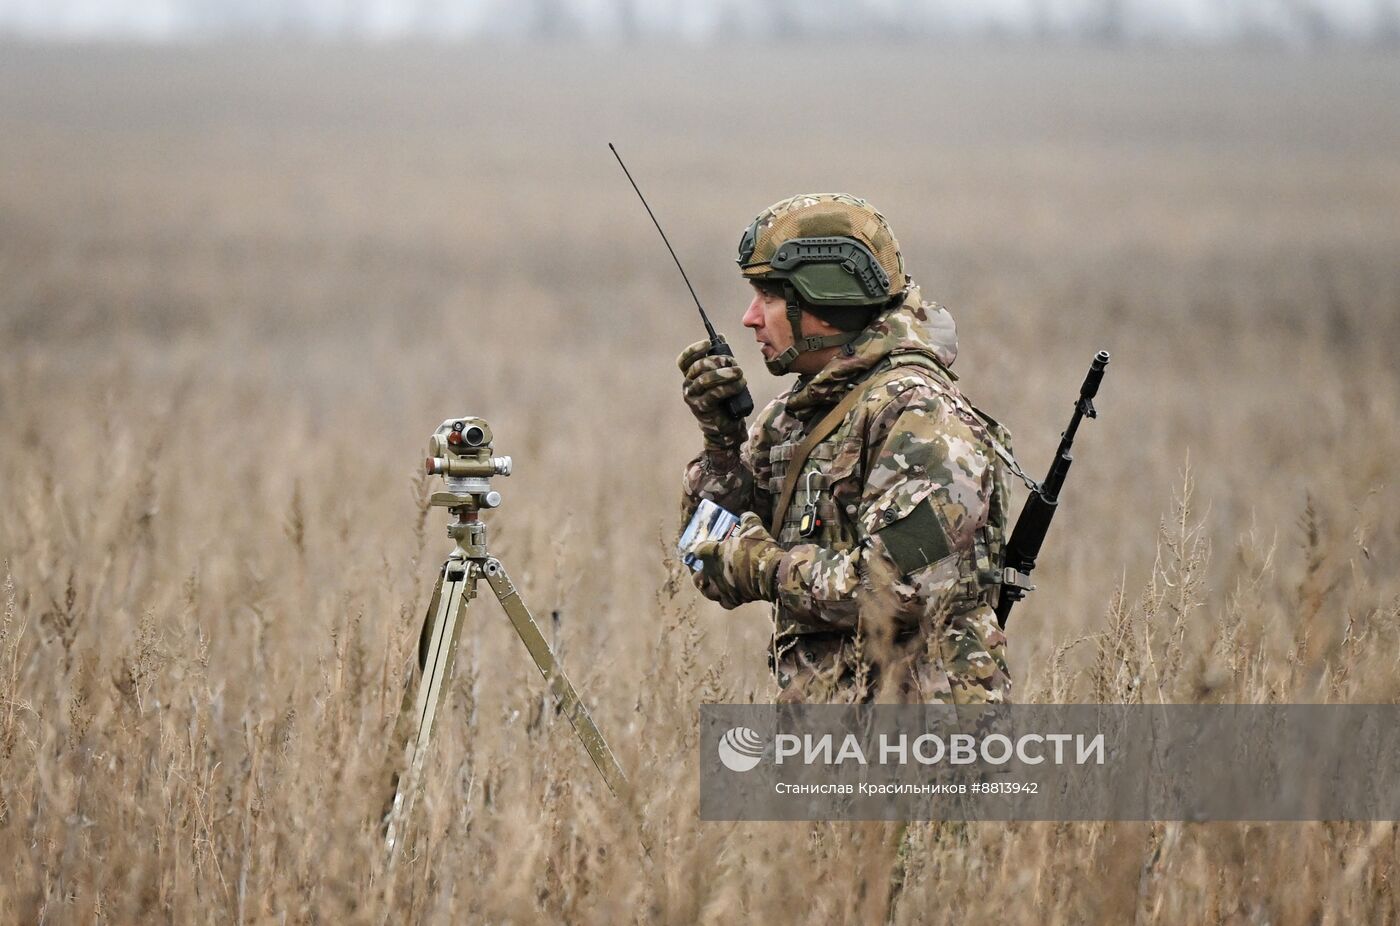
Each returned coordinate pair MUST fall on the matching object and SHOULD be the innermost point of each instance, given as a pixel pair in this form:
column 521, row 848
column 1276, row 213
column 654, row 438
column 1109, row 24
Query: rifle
column 739, row 406
column 1029, row 533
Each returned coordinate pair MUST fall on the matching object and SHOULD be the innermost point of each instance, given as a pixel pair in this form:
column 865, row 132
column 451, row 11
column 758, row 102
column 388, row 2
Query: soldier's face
column 767, row 316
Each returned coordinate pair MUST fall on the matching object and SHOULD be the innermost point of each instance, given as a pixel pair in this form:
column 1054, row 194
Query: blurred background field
column 241, row 284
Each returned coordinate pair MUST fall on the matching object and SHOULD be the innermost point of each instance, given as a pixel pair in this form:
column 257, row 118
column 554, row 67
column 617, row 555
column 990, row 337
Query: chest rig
column 824, row 498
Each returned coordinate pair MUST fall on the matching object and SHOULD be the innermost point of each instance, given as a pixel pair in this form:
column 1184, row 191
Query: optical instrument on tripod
column 460, row 451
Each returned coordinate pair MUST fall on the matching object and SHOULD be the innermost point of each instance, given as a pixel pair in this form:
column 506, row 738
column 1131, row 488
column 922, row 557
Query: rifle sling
column 818, row 434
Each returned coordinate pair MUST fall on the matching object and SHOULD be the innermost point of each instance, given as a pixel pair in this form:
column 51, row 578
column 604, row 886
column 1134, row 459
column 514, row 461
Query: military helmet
column 834, row 255
column 835, row 250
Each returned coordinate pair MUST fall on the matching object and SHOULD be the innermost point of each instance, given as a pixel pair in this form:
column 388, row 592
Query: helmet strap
column 782, row 363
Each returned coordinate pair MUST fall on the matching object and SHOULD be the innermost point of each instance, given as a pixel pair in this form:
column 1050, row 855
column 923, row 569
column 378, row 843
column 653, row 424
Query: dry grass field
column 239, row 288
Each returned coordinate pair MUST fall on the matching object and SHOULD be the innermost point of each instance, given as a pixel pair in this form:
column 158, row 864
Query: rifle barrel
column 1028, row 535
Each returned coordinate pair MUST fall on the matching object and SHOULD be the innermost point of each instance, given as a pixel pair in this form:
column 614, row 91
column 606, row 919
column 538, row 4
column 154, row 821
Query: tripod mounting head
column 460, row 452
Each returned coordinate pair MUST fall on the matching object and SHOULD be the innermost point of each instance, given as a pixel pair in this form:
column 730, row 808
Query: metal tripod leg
column 456, row 585
column 565, row 696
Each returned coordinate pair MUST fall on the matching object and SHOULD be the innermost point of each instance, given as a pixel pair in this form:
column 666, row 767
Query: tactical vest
column 830, row 485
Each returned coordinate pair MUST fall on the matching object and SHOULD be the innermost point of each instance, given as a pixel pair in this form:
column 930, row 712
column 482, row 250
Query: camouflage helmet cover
column 835, row 250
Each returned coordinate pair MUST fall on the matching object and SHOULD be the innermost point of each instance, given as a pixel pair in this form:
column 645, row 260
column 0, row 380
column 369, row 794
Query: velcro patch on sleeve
column 917, row 539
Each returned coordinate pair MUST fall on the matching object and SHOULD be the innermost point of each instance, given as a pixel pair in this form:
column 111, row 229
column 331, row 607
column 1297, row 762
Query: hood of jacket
column 913, row 326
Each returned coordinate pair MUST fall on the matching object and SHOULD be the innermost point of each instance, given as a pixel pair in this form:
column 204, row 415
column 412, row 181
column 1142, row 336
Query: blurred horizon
column 1293, row 23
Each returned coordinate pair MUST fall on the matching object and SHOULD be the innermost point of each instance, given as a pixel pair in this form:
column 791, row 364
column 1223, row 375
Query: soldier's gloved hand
column 709, row 382
column 740, row 568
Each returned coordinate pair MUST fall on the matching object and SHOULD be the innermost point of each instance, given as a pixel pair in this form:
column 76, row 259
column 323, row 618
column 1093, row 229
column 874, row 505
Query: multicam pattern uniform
column 912, row 499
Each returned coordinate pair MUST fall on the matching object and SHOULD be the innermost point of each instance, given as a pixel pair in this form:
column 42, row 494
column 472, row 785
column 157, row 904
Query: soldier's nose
column 753, row 317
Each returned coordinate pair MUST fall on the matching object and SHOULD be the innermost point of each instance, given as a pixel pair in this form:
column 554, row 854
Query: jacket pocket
column 911, row 527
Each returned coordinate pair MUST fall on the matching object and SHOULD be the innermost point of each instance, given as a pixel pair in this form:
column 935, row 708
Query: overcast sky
column 1294, row 21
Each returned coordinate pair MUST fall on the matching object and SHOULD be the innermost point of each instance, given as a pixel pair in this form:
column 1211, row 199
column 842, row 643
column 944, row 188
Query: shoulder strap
column 819, row 433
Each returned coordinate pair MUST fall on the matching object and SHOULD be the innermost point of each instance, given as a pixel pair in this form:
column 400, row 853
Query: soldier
column 873, row 494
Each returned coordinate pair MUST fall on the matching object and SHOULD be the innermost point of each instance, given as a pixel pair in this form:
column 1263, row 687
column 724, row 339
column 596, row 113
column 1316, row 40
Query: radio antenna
column 709, row 328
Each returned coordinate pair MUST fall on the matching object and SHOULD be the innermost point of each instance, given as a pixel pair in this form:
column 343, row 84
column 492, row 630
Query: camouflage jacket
column 909, row 490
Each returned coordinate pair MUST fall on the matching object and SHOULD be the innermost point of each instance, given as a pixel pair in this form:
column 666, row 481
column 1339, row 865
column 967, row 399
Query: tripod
column 466, row 462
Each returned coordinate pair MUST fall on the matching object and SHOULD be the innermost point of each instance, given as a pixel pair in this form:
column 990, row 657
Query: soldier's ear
column 815, row 325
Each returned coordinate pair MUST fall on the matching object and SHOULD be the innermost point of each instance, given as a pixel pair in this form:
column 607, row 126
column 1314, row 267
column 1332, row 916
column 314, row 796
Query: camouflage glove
column 740, row 568
column 709, row 381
